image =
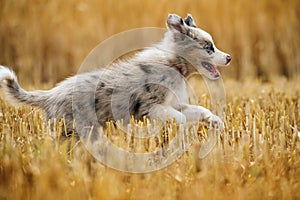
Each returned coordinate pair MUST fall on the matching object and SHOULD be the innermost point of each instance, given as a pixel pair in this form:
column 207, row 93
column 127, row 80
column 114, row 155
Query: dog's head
column 196, row 46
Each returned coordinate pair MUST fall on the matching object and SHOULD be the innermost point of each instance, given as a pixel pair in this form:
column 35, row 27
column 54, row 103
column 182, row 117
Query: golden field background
column 257, row 156
column 48, row 40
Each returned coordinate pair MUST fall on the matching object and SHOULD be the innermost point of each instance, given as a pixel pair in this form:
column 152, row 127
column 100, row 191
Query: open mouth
column 211, row 68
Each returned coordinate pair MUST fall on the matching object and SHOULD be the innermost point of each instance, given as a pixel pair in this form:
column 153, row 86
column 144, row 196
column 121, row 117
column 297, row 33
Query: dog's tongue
column 213, row 71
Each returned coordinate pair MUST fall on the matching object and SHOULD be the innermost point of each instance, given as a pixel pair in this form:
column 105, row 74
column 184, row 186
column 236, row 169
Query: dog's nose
column 228, row 59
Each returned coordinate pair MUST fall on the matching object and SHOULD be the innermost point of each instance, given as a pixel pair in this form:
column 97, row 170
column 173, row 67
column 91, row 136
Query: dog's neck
column 174, row 60
column 181, row 65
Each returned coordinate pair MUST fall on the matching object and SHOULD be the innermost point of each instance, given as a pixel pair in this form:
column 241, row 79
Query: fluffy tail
column 15, row 94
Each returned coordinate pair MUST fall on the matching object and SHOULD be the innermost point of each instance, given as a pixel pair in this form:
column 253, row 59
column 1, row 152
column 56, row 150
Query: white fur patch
column 6, row 73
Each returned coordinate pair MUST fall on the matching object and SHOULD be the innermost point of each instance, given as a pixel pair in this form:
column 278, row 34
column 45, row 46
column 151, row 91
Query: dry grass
column 257, row 157
column 258, row 154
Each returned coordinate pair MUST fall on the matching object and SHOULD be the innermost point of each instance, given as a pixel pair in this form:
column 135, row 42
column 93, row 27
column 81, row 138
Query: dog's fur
column 152, row 83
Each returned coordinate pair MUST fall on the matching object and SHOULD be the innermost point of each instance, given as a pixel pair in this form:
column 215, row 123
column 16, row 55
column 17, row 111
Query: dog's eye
column 209, row 48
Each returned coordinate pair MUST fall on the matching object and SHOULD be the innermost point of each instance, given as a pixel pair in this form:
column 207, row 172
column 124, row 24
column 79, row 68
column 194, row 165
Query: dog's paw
column 216, row 122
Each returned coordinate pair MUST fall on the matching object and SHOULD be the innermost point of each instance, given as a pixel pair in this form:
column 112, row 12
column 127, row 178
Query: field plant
column 256, row 157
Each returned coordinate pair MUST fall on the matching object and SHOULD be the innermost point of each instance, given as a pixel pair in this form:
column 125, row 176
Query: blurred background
column 46, row 41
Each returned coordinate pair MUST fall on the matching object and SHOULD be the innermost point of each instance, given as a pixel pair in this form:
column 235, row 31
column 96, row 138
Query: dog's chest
column 178, row 95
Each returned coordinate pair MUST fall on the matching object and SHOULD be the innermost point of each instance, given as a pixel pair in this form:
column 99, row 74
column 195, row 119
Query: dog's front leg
column 164, row 112
column 196, row 113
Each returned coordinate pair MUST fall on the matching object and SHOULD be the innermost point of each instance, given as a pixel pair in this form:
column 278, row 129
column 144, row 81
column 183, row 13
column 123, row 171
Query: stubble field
column 257, row 155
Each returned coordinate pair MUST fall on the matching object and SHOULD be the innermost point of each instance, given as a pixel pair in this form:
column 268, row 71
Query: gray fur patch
column 145, row 68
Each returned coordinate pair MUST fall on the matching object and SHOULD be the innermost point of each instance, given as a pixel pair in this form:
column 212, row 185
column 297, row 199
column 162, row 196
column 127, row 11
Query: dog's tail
column 15, row 94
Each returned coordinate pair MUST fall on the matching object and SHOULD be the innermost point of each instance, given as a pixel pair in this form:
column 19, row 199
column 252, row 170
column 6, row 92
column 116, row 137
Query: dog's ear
column 190, row 21
column 175, row 22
